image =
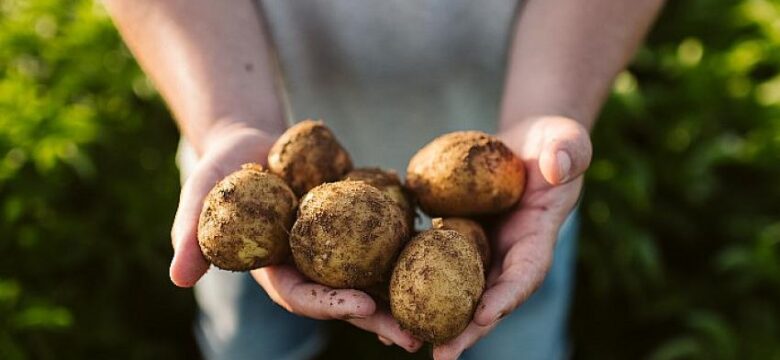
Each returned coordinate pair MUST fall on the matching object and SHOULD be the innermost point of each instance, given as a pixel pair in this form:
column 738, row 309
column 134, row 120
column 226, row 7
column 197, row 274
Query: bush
column 87, row 190
column 680, row 253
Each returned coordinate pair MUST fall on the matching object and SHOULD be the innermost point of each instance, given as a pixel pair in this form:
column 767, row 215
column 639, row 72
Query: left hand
column 556, row 151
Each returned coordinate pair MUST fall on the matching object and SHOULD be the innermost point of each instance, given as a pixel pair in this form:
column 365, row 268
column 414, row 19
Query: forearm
column 209, row 60
column 565, row 54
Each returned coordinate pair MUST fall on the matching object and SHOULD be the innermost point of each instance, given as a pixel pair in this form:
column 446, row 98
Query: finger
column 527, row 239
column 558, row 148
column 384, row 325
column 291, row 290
column 453, row 348
column 188, row 263
column 384, row 340
column 493, row 274
column 566, row 150
column 513, row 287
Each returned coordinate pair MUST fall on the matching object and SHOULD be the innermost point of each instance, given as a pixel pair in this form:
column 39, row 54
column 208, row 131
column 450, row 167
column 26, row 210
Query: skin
column 562, row 62
column 222, row 95
column 211, row 64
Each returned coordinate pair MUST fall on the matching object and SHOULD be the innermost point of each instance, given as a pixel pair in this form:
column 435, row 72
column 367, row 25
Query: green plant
column 680, row 256
column 680, row 253
column 85, row 250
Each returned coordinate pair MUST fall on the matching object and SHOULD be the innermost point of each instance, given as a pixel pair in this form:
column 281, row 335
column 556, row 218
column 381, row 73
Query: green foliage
column 680, row 256
column 87, row 189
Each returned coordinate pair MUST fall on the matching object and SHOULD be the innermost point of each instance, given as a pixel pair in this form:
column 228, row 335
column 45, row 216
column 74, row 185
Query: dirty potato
column 245, row 220
column 472, row 231
column 307, row 155
column 436, row 284
column 388, row 182
column 465, row 173
column 347, row 234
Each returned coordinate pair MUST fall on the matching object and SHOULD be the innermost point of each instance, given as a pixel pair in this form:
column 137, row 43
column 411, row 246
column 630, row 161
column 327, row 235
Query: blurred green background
column 680, row 253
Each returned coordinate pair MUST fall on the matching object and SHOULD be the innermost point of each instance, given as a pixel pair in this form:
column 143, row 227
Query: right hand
column 223, row 154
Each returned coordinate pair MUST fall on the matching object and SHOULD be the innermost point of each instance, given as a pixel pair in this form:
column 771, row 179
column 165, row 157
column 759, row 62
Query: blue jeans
column 239, row 321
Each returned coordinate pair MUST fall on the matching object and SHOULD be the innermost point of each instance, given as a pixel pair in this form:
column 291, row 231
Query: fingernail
column 352, row 317
column 499, row 317
column 564, row 165
column 171, row 267
column 385, row 340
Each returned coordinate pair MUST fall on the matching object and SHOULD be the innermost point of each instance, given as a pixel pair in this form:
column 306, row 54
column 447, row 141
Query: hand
column 556, row 152
column 225, row 153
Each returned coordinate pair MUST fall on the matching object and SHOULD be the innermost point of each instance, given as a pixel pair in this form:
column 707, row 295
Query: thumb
column 225, row 156
column 565, row 149
column 188, row 263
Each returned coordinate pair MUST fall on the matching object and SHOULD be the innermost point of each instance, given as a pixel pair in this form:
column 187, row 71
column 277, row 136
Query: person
column 387, row 76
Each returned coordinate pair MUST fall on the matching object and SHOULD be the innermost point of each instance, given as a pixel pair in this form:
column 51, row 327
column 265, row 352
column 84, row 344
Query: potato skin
column 245, row 220
column 465, row 173
column 472, row 231
column 388, row 182
column 307, row 155
column 436, row 285
column 347, row 235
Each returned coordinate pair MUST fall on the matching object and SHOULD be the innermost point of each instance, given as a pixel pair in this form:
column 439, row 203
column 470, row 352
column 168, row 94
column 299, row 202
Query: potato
column 472, row 231
column 347, row 234
column 436, row 285
column 307, row 155
column 245, row 220
column 465, row 173
column 390, row 184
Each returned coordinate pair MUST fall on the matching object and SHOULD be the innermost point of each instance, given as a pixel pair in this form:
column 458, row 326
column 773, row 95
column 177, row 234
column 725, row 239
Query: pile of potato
column 354, row 228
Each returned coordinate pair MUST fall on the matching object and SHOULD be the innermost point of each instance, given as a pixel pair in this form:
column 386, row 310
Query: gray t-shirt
column 387, row 76
column 390, row 75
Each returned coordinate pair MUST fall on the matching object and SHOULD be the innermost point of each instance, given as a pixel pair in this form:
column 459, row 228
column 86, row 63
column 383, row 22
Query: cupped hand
column 556, row 152
column 223, row 154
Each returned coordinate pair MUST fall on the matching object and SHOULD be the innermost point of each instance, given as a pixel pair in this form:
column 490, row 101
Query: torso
column 389, row 75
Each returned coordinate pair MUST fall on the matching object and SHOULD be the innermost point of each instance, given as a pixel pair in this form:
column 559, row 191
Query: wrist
column 226, row 128
column 551, row 94
column 524, row 114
